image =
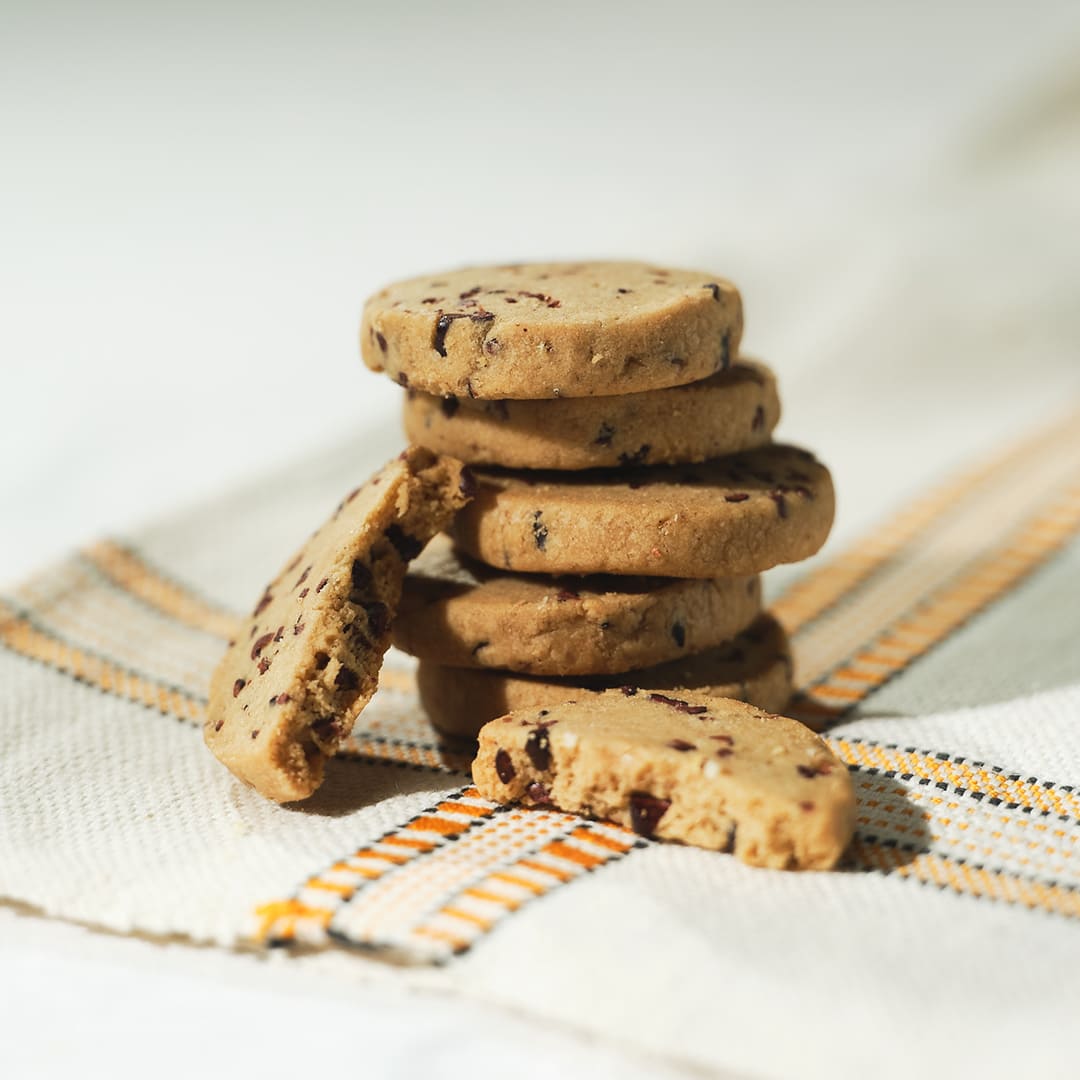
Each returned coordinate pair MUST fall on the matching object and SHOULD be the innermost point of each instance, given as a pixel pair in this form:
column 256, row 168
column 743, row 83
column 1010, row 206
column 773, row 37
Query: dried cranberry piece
column 679, row 705
column 260, row 644
column 238, row 686
column 681, row 745
column 537, row 793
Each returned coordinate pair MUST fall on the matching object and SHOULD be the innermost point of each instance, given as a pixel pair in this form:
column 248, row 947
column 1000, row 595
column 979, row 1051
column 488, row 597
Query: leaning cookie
column 550, row 330
column 733, row 410
column 755, row 667
column 734, row 515
column 711, row 772
column 288, row 689
column 462, row 613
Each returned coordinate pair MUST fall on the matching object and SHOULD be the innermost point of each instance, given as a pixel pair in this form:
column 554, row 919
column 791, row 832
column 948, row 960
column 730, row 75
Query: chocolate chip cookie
column 730, row 411
column 755, row 667
column 291, row 684
column 711, row 772
column 461, row 613
column 552, row 330
column 740, row 514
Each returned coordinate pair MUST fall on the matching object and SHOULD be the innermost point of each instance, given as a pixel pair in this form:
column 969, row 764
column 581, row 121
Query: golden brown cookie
column 550, row 330
column 711, row 772
column 730, row 411
column 735, row 515
column 459, row 612
column 756, row 667
column 287, row 691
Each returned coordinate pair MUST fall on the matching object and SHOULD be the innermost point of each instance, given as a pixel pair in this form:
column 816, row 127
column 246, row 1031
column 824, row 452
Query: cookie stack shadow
column 628, row 489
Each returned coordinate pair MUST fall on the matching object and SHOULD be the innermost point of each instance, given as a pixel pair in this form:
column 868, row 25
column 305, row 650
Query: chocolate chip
column 567, row 594
column 381, row 340
column 807, row 771
column 321, row 660
column 279, row 699
column 624, row 291
column 492, row 345
column 781, row 503
column 629, row 691
column 504, row 767
column 646, row 811
column 279, row 633
column 408, row 547
column 322, row 585
column 540, row 533
column 679, row 705
column 346, row 679
column 678, row 632
column 759, row 419
column 467, row 485
column 219, row 725
column 736, row 496
column 715, row 289
column 538, row 747
column 442, row 325
column 725, row 351
column 729, row 845
column 255, row 733
column 637, row 457
column 725, row 751
column 378, row 617
column 723, row 738
column 238, row 686
column 403, row 379
column 302, row 578
column 298, row 629
column 263, row 603
column 264, row 666
column 261, row 644
column 449, row 405
column 537, row 793
column 542, row 297
column 681, row 745
column 303, row 592
column 604, row 435
column 469, row 292
column 361, row 577
column 327, row 728
column 806, row 807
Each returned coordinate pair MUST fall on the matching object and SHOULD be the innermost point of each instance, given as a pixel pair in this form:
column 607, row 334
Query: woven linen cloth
column 937, row 640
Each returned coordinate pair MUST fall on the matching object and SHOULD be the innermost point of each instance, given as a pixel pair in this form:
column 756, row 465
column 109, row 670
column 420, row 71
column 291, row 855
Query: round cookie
column 550, row 330
column 718, row 774
column 735, row 515
column 460, row 613
column 290, row 685
column 730, row 411
column 755, row 667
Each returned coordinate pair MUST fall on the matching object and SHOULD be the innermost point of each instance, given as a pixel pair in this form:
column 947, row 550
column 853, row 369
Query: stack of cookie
column 628, row 491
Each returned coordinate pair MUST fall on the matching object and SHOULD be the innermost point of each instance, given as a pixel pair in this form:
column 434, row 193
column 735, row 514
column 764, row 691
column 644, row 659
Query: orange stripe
column 492, row 898
column 466, row 916
column 330, row 886
column 594, row 837
column 439, row 825
column 531, row 864
column 465, row 808
column 268, row 914
column 19, row 636
column 524, row 883
column 406, row 841
column 363, row 871
column 133, row 575
column 459, row 944
column 573, row 854
column 968, row 880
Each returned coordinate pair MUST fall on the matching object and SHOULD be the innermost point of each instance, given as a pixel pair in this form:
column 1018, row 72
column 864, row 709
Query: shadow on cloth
column 890, row 830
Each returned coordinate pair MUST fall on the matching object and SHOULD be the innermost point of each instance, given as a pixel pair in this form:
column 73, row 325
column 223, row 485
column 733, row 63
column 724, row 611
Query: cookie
column 730, row 411
column 740, row 514
column 756, row 667
column 289, row 687
column 711, row 772
column 462, row 613
column 550, row 330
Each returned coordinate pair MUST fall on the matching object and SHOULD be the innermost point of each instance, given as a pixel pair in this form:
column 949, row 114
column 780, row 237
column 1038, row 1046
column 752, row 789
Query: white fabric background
column 199, row 205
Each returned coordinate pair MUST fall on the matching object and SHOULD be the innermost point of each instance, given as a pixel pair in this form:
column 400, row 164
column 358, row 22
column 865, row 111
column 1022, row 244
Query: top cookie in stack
column 618, row 433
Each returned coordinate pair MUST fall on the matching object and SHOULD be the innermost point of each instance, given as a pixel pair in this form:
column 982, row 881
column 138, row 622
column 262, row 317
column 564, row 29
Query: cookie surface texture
column 457, row 611
column 550, row 330
column 740, row 514
column 305, row 663
column 731, row 411
column 711, row 772
column 755, row 667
